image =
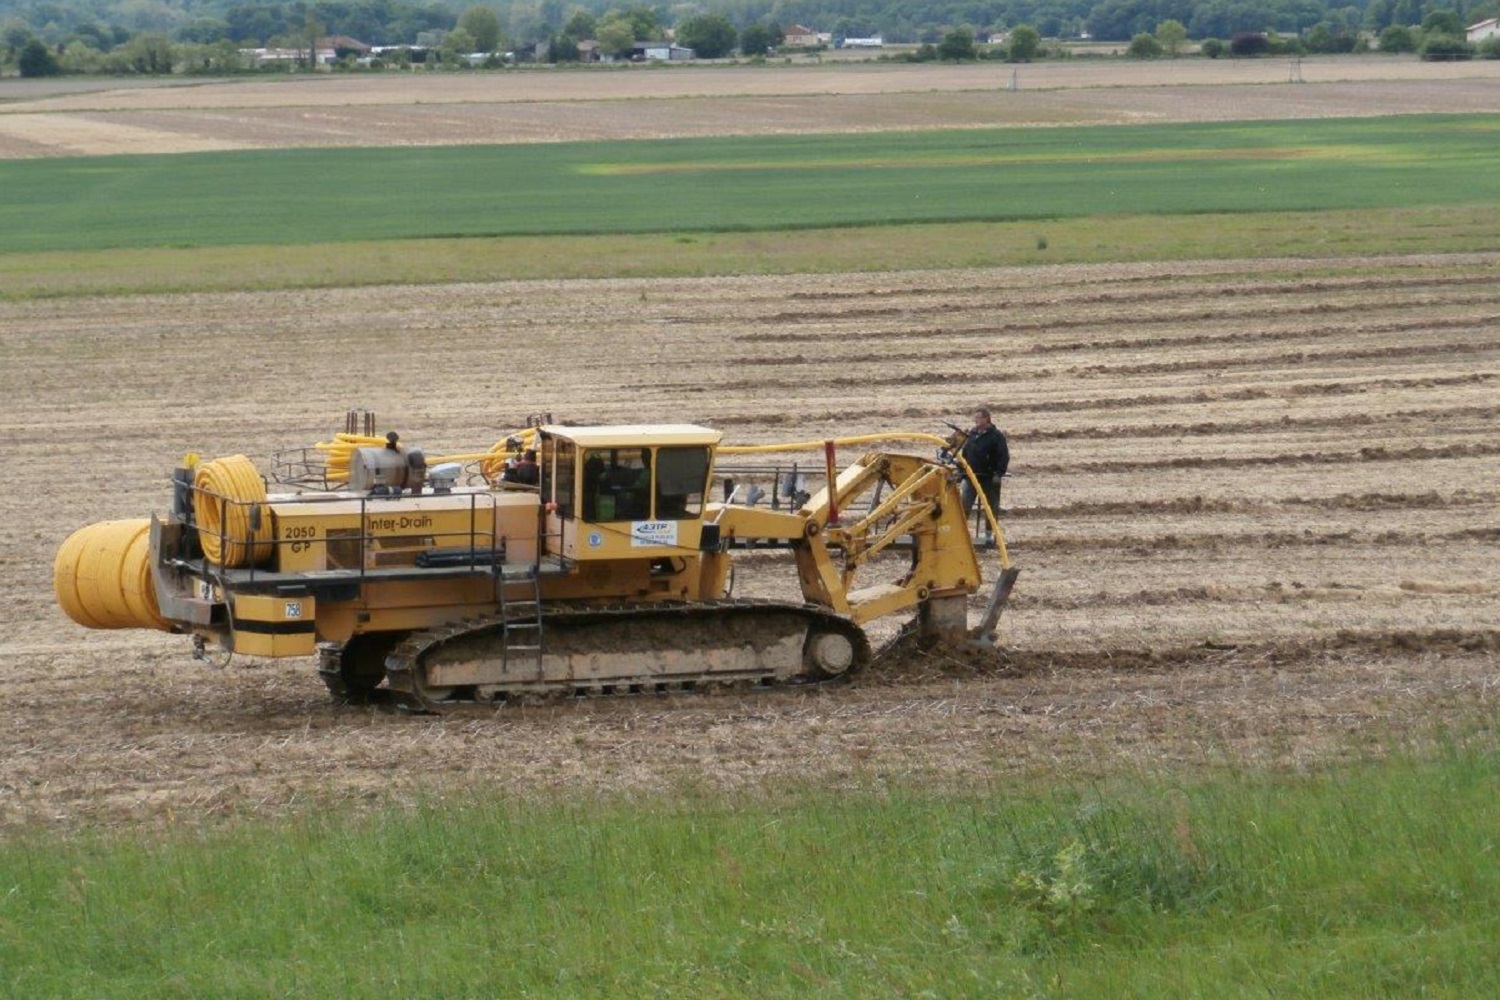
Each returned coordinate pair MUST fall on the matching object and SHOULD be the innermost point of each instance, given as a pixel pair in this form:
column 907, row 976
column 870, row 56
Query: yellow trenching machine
column 612, row 574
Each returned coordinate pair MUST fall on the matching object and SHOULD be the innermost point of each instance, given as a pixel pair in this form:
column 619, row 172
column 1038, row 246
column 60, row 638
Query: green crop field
column 1118, row 238
column 776, row 183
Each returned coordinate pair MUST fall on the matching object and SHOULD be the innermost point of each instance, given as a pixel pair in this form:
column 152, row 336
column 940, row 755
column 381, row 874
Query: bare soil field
column 1255, row 505
column 545, row 106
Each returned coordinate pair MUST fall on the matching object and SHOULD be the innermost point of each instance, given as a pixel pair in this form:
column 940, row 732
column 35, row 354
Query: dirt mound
column 910, row 659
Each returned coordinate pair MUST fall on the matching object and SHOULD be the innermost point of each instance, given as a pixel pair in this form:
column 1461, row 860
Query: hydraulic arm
column 915, row 504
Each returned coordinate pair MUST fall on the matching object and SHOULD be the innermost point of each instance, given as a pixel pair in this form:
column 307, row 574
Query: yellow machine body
column 621, row 519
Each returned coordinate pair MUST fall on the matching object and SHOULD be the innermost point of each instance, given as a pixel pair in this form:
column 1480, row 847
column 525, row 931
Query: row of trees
column 616, row 31
column 1441, row 36
column 210, row 44
column 146, row 54
column 477, row 29
column 390, row 22
column 1117, row 20
column 960, row 45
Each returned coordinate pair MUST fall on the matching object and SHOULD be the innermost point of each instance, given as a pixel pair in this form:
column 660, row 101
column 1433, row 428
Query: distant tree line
column 1440, row 36
column 38, row 37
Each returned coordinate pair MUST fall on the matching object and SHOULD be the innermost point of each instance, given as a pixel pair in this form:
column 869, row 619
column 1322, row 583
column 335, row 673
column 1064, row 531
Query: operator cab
column 625, row 491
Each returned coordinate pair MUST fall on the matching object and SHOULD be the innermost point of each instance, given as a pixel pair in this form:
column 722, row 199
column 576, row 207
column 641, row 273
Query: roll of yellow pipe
column 228, row 489
column 138, row 582
column 65, row 577
column 102, row 576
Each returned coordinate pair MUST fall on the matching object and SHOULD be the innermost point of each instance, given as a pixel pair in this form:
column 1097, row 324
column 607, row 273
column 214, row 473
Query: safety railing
column 304, row 467
column 251, row 544
column 779, row 486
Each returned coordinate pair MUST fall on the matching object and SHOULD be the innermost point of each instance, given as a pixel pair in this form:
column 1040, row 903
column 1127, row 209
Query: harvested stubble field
column 540, row 105
column 1254, row 502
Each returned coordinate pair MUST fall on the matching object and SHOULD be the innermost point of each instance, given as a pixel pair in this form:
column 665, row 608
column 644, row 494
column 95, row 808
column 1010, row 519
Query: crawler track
column 628, row 649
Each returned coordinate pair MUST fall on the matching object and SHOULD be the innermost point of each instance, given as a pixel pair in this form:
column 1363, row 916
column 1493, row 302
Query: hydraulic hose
column 227, row 491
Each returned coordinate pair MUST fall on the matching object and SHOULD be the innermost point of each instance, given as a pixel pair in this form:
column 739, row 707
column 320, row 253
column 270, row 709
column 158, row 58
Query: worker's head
column 981, row 418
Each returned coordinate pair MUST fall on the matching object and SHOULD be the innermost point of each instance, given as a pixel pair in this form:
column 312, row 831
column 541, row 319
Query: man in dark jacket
column 524, row 471
column 988, row 454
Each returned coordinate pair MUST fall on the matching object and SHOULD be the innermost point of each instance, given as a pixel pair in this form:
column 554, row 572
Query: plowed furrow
column 1209, row 505
column 845, row 417
column 1372, row 454
column 1156, row 290
column 1296, row 334
column 1272, row 593
column 1222, row 541
column 1071, row 322
column 1214, row 428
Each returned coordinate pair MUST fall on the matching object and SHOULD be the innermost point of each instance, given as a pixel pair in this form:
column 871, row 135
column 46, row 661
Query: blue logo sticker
column 595, row 539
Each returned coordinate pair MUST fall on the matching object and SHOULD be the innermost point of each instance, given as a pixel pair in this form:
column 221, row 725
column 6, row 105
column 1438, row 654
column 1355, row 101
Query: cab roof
column 634, row 435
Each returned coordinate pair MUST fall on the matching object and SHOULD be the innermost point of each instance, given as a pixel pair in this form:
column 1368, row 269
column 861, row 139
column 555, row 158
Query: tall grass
column 765, row 183
column 1369, row 880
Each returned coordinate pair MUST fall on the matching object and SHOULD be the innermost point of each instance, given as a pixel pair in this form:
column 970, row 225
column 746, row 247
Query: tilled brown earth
column 542, row 106
column 1255, row 504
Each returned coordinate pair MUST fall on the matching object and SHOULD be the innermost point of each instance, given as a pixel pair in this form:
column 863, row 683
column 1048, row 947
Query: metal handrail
column 473, row 536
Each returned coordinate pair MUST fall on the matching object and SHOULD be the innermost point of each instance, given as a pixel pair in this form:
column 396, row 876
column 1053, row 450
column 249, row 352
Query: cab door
column 559, row 470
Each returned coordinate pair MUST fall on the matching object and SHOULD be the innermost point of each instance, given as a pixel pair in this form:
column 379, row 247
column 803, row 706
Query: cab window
column 616, row 484
column 681, row 478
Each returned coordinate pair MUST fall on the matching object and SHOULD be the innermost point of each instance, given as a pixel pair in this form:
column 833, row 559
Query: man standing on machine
column 988, row 454
column 525, row 470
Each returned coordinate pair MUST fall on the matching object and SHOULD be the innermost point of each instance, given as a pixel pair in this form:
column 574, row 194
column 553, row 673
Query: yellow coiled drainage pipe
column 227, row 490
column 338, row 452
column 102, row 576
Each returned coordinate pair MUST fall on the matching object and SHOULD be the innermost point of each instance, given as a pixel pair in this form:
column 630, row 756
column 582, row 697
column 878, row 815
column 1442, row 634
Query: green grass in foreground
column 305, row 196
column 1364, row 881
column 1104, row 239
